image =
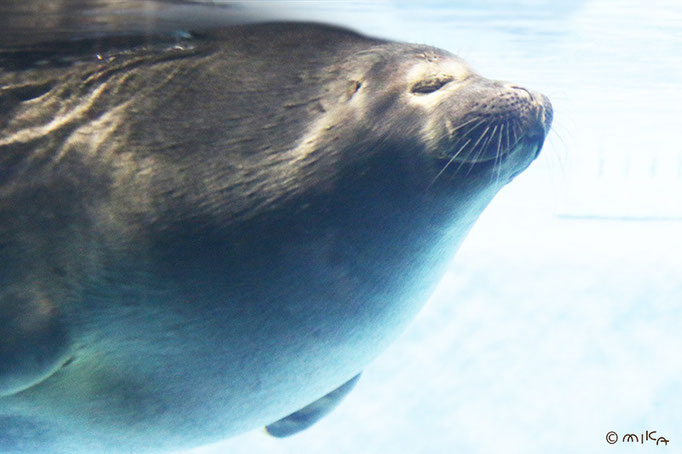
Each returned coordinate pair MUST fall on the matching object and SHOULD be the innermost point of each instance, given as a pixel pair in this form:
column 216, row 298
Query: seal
column 201, row 237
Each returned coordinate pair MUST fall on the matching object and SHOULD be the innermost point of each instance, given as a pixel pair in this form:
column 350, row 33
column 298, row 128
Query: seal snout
column 540, row 110
column 544, row 113
column 539, row 128
column 498, row 120
column 503, row 116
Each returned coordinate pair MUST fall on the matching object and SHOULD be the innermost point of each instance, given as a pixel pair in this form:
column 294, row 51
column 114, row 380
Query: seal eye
column 430, row 85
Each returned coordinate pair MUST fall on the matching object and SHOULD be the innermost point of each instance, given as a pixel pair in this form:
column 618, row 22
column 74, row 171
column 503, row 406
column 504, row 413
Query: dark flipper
column 310, row 414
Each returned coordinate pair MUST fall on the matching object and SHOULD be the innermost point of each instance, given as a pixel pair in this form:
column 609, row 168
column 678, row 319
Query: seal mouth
column 532, row 140
column 517, row 157
column 515, row 121
column 485, row 144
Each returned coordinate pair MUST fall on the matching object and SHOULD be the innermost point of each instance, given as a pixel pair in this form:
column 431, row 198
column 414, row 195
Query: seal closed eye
column 199, row 238
column 431, row 84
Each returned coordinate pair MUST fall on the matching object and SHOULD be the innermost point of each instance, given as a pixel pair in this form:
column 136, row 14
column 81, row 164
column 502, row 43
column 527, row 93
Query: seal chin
column 510, row 162
column 523, row 154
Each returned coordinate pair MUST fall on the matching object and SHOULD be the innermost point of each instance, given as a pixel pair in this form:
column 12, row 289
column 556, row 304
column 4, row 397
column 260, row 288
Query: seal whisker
column 474, row 152
column 468, row 122
column 498, row 155
column 516, row 131
column 466, row 135
column 481, row 151
column 473, row 128
column 483, row 135
column 496, row 131
column 450, row 161
column 507, row 135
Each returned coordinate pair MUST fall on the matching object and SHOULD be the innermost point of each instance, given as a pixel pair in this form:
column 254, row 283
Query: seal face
column 210, row 235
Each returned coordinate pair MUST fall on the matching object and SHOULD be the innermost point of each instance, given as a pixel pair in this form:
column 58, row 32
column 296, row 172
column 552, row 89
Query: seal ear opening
column 33, row 342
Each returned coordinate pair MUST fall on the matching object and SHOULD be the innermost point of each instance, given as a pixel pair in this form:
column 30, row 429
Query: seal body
column 200, row 238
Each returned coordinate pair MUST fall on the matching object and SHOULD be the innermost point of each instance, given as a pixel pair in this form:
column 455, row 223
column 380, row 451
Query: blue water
column 559, row 320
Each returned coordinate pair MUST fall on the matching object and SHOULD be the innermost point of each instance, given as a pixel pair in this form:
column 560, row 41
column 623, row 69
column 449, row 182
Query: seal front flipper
column 34, row 342
column 310, row 414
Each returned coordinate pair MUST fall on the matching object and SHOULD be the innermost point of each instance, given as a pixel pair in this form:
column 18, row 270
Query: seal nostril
column 528, row 93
